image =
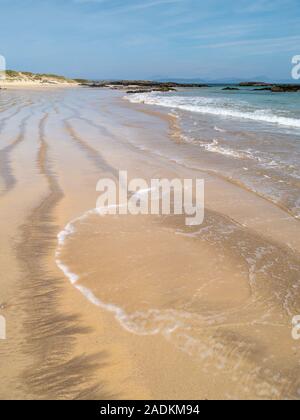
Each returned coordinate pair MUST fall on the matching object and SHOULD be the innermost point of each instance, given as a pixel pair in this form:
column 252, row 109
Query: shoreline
column 112, row 362
column 175, row 132
column 257, row 228
column 32, row 85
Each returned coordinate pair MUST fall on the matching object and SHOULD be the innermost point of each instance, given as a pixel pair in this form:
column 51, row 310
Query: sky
column 147, row 39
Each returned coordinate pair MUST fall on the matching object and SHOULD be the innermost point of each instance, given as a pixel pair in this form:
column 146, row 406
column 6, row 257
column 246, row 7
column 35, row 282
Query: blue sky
column 152, row 38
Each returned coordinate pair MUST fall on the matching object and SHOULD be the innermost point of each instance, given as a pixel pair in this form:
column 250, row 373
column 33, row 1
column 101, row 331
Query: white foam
column 67, row 272
column 215, row 148
column 214, row 106
column 174, row 325
column 149, row 322
column 220, row 130
column 74, row 278
column 62, row 237
column 128, row 322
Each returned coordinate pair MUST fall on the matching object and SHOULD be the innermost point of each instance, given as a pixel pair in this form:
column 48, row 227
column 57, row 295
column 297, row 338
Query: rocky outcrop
column 162, row 89
column 231, row 88
column 285, row 88
column 252, row 84
column 281, row 88
column 142, row 86
column 262, row 89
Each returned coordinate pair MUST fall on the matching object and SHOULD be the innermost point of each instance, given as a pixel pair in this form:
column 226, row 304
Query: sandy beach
column 157, row 309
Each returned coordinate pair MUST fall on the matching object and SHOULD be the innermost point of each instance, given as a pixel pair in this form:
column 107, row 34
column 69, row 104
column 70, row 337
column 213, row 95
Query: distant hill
column 225, row 81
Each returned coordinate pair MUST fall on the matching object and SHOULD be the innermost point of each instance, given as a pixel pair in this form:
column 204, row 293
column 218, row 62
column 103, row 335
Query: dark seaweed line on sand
column 97, row 159
column 6, row 172
column 50, row 334
column 5, row 120
column 77, row 116
column 102, row 163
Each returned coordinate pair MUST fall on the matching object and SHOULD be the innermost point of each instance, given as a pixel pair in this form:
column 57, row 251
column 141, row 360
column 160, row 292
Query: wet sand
column 156, row 309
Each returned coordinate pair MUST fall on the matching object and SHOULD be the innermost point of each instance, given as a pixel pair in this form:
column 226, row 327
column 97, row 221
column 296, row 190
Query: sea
column 255, row 133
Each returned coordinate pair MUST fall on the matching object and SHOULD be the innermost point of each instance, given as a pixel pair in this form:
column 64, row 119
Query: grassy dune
column 27, row 77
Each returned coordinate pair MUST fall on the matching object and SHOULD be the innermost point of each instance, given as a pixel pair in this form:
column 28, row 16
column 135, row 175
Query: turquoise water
column 250, row 137
column 280, row 109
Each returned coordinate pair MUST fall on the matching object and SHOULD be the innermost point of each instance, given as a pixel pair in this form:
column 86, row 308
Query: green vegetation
column 82, row 81
column 12, row 74
column 27, row 73
column 50, row 76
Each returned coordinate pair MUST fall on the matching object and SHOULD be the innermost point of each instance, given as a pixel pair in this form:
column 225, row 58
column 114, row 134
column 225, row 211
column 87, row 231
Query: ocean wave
column 220, row 130
column 214, row 147
column 150, row 322
column 215, row 106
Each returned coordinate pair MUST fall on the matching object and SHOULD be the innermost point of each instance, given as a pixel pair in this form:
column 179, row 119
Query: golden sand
column 202, row 312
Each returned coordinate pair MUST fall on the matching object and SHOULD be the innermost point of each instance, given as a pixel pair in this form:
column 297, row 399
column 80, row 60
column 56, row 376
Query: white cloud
column 267, row 44
column 140, row 5
column 260, row 6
